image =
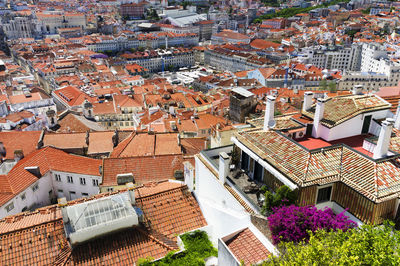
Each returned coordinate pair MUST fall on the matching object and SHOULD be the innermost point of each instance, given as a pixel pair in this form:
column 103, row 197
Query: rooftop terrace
column 356, row 142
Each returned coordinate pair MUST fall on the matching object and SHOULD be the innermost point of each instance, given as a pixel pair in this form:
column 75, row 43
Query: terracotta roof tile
column 48, row 159
column 144, row 168
column 247, row 248
column 38, row 238
column 19, row 140
column 65, row 140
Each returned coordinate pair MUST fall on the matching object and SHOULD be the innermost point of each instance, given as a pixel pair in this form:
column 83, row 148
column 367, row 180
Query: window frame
column 35, row 187
column 329, row 186
column 10, row 207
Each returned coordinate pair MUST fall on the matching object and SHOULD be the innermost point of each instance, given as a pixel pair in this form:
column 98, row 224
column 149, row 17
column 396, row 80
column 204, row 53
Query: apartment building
column 50, row 21
column 159, row 60
column 225, row 59
column 44, row 175
column 228, row 36
column 132, row 10
column 152, row 40
column 335, row 57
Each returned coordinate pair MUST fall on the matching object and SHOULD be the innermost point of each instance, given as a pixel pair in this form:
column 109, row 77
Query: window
column 324, row 194
column 82, row 181
column 110, row 189
column 10, row 206
column 35, row 187
column 85, row 194
column 70, row 179
column 58, row 178
column 95, row 182
column 72, row 194
column 23, row 196
column 60, row 191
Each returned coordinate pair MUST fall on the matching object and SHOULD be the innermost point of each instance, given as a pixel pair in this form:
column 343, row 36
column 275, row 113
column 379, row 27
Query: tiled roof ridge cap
column 144, row 156
column 126, row 142
column 167, row 191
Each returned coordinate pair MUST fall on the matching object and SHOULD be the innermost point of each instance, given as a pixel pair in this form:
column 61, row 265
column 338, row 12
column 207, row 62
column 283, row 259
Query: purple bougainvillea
column 292, row 223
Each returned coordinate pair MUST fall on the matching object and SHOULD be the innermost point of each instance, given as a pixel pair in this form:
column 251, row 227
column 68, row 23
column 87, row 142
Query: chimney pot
column 269, row 112
column 357, row 89
column 223, row 167
column 308, row 96
column 318, row 115
column 382, row 147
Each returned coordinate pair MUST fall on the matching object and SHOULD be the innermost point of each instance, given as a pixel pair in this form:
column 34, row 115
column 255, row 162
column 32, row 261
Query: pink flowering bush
column 293, row 224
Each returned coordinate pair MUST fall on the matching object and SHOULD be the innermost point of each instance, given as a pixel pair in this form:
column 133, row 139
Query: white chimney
column 223, row 166
column 319, row 114
column 308, row 96
column 382, row 146
column 269, row 112
column 357, row 89
column 131, row 192
column 397, row 117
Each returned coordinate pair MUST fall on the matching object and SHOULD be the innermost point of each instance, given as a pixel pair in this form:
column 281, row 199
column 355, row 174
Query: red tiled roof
column 72, row 96
column 65, row 140
column 247, row 248
column 38, row 238
column 48, row 159
column 144, row 144
column 19, row 140
column 143, row 168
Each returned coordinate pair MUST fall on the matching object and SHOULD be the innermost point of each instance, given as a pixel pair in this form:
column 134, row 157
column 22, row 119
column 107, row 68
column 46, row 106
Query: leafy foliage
column 274, row 3
column 197, row 248
column 293, row 224
column 283, row 196
column 290, row 12
column 367, row 245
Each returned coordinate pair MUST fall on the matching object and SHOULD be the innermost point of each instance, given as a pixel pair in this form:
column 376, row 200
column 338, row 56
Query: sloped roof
column 143, row 168
column 65, row 140
column 47, row 159
column 377, row 180
column 246, row 247
column 144, row 144
column 341, row 108
column 19, row 140
column 38, row 237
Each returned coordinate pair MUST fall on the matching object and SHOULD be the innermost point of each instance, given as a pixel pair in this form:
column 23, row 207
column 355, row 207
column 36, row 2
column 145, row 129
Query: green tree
column 332, row 86
column 283, row 196
column 323, row 85
column 141, row 49
column 197, row 248
column 367, row 245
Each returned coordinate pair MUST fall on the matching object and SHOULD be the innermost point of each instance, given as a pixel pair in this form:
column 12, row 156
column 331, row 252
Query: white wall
column 38, row 198
column 75, row 186
column 351, row 127
column 48, row 188
column 220, row 209
column 225, row 256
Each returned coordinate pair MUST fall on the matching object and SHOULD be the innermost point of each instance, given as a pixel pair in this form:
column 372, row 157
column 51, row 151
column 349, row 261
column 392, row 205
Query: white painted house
column 45, row 175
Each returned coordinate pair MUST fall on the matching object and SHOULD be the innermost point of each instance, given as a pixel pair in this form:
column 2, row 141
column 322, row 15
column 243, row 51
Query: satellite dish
column 271, row 124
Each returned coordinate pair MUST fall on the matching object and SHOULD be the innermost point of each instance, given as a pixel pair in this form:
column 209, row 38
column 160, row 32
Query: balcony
column 238, row 183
